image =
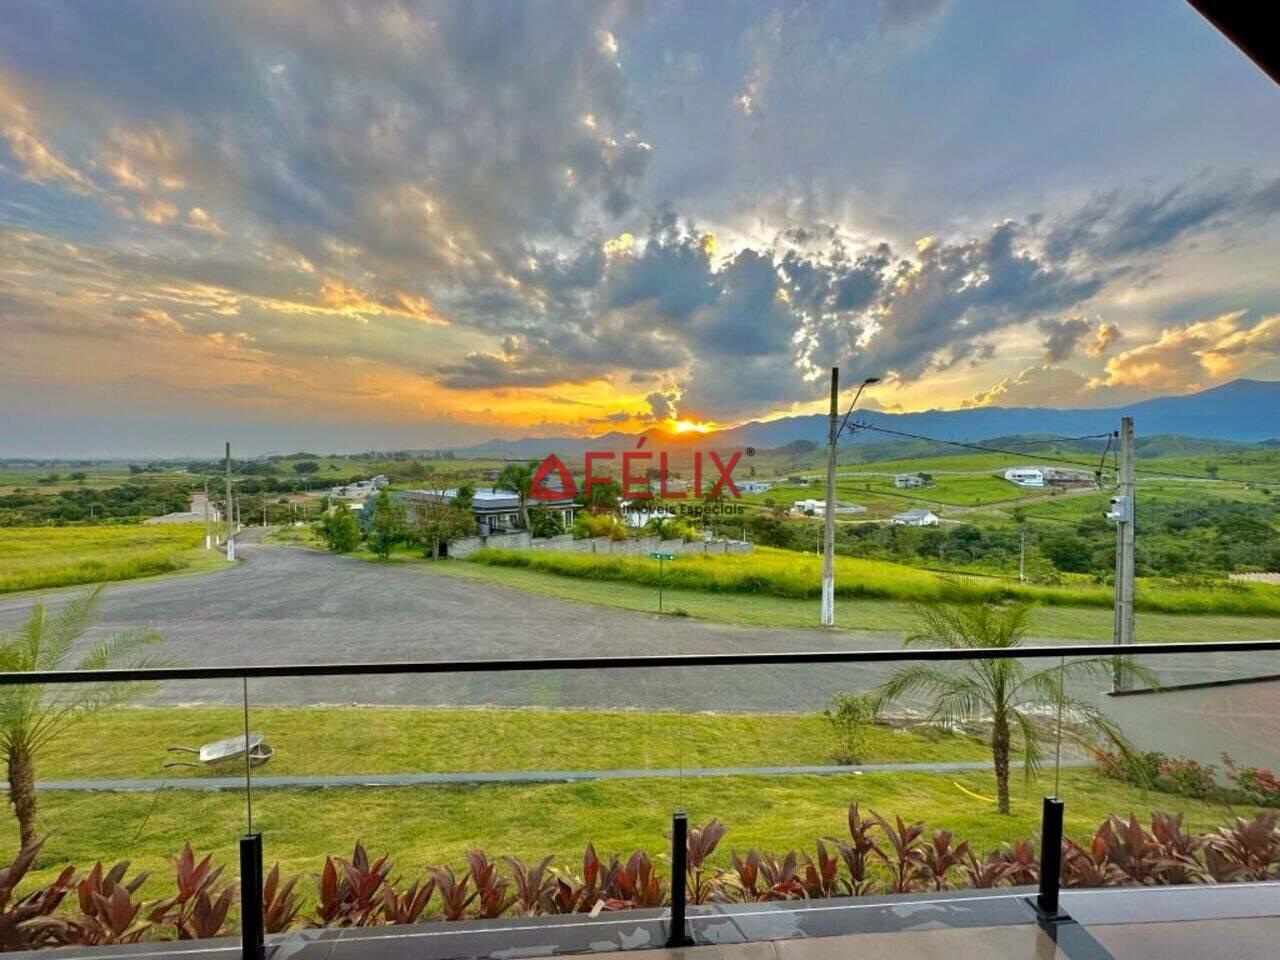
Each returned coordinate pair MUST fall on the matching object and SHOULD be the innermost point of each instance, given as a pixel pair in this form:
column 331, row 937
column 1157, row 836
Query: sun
column 691, row 426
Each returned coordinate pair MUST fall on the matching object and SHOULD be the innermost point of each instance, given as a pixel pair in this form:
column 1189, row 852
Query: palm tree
column 1020, row 704
column 519, row 478
column 30, row 716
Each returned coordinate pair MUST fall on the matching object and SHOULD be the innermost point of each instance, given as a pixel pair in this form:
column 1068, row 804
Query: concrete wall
column 636, row 547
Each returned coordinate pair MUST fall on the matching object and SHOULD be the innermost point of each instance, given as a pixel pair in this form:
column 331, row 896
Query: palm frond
column 50, row 639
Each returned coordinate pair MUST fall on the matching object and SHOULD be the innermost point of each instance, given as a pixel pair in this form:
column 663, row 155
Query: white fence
column 639, row 546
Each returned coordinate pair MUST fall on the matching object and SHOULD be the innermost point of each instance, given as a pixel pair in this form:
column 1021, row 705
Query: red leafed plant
column 280, row 902
column 701, row 845
column 879, row 855
column 454, row 898
column 858, row 851
column 940, row 857
column 405, row 906
column 349, row 891
column 535, row 886
column 1245, row 850
column 636, row 886
column 199, row 908
column 905, row 856
column 491, row 889
column 821, row 875
column 107, row 914
column 19, row 928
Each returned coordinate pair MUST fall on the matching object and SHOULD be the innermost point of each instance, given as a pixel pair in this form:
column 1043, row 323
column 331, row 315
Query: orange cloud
column 1193, row 356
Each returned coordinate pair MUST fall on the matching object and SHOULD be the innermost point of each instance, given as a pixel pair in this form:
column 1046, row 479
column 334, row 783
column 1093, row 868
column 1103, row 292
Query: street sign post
column 661, row 558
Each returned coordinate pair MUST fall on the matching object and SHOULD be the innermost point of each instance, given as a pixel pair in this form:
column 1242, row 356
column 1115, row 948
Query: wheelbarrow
column 224, row 752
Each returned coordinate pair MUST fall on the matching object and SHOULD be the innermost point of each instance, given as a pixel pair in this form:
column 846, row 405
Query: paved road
column 285, row 605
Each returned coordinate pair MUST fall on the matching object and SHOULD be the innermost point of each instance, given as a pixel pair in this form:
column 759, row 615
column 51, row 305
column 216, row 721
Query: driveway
column 282, row 605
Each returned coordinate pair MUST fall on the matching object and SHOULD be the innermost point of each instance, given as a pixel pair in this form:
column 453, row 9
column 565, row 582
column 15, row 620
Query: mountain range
column 1244, row 411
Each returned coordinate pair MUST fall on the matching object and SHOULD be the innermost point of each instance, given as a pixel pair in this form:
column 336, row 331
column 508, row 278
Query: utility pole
column 828, row 513
column 829, row 507
column 208, row 540
column 1122, row 513
column 231, row 542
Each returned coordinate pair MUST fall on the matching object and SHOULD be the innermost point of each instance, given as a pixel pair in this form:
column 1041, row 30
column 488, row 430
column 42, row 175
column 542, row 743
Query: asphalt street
column 282, row 605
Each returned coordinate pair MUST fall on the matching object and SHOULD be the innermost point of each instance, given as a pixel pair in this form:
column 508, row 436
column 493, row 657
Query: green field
column 131, row 742
column 52, row 478
column 439, row 824
column 791, row 575
column 40, row 558
column 1073, row 623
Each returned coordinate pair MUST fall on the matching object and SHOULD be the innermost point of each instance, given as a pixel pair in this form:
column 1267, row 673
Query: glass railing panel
column 1196, row 779
column 120, row 792
column 509, row 794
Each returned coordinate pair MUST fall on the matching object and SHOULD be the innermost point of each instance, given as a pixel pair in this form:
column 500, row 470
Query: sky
column 365, row 225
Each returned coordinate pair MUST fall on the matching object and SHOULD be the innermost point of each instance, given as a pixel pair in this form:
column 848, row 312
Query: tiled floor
column 1236, row 939
column 976, row 943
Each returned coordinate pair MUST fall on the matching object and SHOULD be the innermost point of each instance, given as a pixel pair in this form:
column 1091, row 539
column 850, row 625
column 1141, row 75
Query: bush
column 850, row 716
column 339, row 529
column 587, row 526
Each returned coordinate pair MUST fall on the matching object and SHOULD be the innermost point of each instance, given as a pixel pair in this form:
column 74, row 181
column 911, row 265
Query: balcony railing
column 469, row 773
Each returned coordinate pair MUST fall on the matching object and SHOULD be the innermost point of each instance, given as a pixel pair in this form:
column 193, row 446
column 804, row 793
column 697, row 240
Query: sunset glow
column 684, row 226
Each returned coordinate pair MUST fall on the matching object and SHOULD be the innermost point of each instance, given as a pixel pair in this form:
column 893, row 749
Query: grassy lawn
column 130, row 742
column 420, row 825
column 855, row 613
column 40, row 558
column 1072, row 623
column 791, row 575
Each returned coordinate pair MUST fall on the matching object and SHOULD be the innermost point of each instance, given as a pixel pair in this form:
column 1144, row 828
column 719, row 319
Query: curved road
column 282, row 605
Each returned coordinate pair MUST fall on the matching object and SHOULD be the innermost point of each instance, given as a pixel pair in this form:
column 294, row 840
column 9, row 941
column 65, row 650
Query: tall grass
column 783, row 573
column 39, row 558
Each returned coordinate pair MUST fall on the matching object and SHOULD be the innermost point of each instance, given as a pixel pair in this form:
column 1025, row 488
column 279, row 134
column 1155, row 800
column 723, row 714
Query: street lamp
column 829, row 508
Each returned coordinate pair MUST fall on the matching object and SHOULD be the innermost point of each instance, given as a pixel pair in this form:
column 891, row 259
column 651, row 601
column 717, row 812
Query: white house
column 1025, row 476
column 361, row 489
column 637, row 513
column 909, row 481
column 819, row 507
column 754, row 486
column 917, row 517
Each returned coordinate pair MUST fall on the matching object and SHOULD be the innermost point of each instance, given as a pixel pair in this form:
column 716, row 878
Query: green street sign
column 662, row 556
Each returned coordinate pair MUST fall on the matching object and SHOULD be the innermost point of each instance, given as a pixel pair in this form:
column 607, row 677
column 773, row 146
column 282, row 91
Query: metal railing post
column 251, row 934
column 1050, row 857
column 678, row 934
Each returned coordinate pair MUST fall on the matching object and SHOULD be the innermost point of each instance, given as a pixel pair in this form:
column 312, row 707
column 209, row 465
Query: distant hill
column 1244, row 411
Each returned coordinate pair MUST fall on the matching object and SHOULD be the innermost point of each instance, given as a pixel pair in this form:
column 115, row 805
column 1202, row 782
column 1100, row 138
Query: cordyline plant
column 32, row 715
column 881, row 855
column 1016, row 701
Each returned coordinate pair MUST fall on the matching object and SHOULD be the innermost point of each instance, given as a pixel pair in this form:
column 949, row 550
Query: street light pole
column 828, row 515
column 231, row 532
column 835, row 429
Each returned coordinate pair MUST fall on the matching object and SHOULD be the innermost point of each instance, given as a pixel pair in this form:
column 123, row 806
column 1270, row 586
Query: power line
column 1047, row 458
column 984, row 448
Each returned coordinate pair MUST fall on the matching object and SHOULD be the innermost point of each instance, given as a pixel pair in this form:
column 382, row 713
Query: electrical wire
column 1045, row 457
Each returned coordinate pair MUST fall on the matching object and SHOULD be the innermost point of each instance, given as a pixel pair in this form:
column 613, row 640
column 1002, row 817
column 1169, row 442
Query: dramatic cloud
column 1103, row 338
column 1040, row 386
column 1112, row 225
column 1061, row 337
column 1197, row 355
column 555, row 216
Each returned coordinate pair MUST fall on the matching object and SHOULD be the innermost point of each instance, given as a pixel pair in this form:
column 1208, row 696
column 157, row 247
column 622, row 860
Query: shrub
column 1258, row 784
column 851, row 716
column 879, row 856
